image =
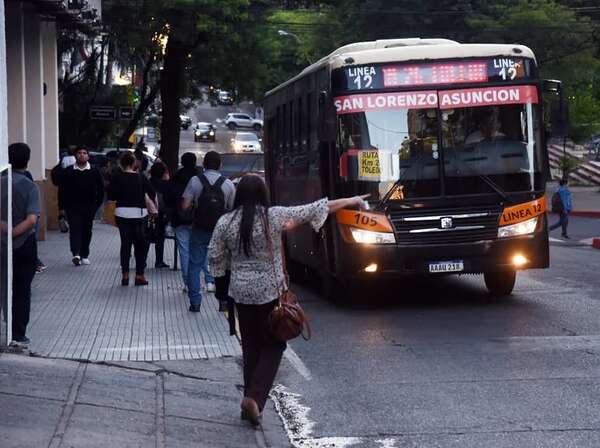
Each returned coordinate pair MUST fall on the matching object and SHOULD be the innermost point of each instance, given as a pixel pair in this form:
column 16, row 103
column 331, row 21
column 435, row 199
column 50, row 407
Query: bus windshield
column 432, row 152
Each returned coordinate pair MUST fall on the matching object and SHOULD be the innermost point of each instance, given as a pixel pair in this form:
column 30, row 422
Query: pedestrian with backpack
column 182, row 220
column 562, row 204
column 211, row 195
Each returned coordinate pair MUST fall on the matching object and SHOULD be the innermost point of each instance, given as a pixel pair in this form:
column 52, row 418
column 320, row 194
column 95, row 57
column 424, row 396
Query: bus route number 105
column 365, row 220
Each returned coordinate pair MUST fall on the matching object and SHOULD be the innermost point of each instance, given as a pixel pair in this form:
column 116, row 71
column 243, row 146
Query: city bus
column 446, row 138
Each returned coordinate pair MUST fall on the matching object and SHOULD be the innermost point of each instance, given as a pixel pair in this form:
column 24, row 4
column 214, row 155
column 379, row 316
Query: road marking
column 298, row 426
column 535, row 343
column 583, row 242
column 297, row 363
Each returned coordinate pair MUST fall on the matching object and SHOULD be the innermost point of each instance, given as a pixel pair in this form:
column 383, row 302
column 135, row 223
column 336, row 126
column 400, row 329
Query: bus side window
column 308, row 119
column 284, row 128
column 291, row 125
column 299, row 130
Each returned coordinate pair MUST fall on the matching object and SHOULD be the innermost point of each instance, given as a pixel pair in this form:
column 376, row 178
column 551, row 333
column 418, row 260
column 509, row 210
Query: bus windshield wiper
column 494, row 186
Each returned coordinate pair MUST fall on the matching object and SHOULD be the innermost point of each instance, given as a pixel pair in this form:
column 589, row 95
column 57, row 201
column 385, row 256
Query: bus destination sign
column 369, row 77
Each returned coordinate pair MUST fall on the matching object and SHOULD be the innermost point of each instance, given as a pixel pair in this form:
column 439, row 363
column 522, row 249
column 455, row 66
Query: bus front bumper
column 485, row 256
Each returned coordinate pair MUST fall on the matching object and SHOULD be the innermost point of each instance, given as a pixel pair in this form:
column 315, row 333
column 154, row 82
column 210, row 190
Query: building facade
column 29, row 104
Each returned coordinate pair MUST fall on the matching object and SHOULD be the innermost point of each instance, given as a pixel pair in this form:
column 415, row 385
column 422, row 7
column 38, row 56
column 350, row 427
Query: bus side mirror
column 322, row 97
column 559, row 112
column 552, row 86
column 327, row 129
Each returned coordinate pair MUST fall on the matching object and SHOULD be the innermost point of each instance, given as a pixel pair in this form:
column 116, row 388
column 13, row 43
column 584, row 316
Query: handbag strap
column 286, row 280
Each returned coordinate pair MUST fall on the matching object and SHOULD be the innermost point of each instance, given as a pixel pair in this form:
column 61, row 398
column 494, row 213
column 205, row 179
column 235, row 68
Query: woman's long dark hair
column 251, row 192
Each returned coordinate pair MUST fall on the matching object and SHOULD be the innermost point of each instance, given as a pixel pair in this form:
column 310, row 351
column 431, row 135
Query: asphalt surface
column 438, row 363
column 211, row 114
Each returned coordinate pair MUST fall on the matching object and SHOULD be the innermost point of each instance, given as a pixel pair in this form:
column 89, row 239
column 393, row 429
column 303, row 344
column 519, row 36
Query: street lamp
column 287, row 33
column 302, row 48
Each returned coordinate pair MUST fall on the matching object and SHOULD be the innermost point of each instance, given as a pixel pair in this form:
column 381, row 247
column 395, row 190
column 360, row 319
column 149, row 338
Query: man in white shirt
column 84, row 193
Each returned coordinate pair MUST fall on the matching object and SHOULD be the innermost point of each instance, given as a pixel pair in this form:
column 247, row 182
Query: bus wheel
column 501, row 283
column 331, row 288
column 296, row 271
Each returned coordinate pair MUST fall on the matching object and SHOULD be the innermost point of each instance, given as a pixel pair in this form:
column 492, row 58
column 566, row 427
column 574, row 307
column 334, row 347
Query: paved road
column 212, row 114
column 440, row 364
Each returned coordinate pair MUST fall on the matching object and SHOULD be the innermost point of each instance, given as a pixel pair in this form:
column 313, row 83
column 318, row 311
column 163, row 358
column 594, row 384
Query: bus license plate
column 447, row 266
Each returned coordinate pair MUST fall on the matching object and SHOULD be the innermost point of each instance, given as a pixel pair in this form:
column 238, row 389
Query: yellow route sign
column 368, row 165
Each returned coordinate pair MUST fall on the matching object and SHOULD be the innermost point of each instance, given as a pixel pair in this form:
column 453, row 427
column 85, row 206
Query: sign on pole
column 102, row 113
column 125, row 113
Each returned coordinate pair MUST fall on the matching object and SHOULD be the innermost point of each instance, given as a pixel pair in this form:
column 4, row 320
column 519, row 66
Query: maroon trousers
column 261, row 351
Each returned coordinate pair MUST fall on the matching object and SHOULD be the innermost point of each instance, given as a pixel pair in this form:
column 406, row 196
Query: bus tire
column 500, row 283
column 296, row 271
column 341, row 291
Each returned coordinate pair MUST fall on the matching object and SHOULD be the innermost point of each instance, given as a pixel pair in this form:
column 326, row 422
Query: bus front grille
column 445, row 226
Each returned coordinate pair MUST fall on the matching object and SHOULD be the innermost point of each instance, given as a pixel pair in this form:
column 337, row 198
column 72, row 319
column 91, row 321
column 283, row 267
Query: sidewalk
column 123, row 366
column 586, row 200
column 584, row 220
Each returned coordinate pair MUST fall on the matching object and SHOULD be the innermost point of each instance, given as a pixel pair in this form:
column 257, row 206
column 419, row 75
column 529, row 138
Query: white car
column 240, row 120
column 185, row 121
column 246, row 142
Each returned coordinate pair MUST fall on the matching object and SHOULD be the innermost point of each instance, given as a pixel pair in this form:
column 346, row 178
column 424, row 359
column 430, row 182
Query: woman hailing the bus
column 247, row 241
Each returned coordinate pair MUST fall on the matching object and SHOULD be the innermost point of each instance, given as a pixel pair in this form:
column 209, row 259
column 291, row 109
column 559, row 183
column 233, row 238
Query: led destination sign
column 429, row 99
column 368, row 77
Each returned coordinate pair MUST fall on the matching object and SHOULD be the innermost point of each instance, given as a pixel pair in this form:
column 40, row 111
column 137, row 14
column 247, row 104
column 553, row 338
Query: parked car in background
column 593, row 146
column 98, row 159
column 245, row 142
column 204, row 132
column 114, row 154
column 224, row 98
column 235, row 165
column 241, row 120
column 186, row 121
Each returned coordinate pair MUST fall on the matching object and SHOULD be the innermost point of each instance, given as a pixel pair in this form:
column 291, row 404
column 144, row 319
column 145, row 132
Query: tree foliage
column 237, row 44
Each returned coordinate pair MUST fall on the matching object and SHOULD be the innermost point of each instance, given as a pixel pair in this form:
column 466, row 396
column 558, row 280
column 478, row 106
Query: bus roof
column 414, row 49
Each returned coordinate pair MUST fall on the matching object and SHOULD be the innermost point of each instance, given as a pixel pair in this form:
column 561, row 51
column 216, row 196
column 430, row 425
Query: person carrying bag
column 133, row 195
column 248, row 242
column 287, row 320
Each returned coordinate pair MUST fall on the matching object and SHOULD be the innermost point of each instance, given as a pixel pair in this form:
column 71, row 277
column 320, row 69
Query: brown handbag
column 287, row 320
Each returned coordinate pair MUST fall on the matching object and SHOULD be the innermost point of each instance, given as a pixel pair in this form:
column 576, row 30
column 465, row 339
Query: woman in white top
column 247, row 241
column 130, row 189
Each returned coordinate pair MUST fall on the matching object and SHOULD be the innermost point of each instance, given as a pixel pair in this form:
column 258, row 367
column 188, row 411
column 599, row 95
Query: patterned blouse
column 253, row 281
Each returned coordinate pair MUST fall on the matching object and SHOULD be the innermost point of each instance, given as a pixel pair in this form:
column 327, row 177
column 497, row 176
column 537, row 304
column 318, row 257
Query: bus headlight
column 522, row 228
column 370, row 237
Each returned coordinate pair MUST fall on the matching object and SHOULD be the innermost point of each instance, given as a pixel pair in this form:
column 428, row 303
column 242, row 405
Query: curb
column 593, row 242
column 584, row 214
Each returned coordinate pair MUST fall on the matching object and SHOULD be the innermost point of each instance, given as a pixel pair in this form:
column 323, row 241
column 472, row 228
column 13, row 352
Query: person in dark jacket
column 182, row 220
column 159, row 179
column 129, row 189
column 83, row 194
column 40, row 266
column 25, row 214
column 567, row 205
